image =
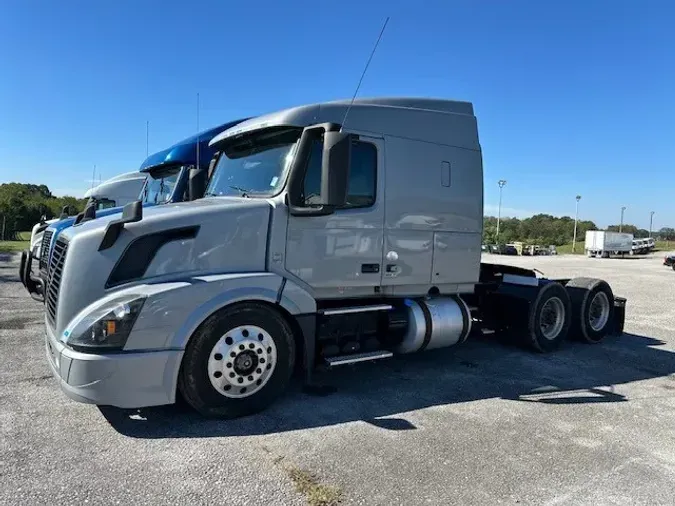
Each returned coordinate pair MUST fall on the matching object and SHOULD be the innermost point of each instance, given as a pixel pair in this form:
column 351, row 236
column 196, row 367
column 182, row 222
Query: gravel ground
column 478, row 424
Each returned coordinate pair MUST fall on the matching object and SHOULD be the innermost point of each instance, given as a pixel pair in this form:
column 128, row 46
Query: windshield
column 159, row 185
column 255, row 166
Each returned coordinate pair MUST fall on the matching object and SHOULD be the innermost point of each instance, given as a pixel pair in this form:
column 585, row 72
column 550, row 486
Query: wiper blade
column 244, row 192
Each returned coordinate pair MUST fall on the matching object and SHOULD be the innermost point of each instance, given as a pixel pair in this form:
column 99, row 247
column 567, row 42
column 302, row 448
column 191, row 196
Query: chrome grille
column 56, row 262
column 44, row 251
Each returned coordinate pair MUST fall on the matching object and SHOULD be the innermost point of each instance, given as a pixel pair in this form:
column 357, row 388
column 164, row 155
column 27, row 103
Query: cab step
column 357, row 357
column 355, row 309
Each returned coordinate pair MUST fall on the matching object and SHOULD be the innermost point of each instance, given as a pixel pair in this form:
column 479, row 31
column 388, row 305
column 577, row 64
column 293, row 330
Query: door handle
column 370, row 268
column 392, row 268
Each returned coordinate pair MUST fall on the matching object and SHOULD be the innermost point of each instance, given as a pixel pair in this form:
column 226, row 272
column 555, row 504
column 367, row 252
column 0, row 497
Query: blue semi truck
column 168, row 181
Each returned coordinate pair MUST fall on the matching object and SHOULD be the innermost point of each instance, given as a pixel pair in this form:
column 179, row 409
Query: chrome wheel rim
column 552, row 318
column 242, row 361
column 598, row 312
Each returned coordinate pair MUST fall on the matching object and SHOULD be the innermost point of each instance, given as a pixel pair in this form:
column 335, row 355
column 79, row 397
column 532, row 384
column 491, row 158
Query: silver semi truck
column 329, row 234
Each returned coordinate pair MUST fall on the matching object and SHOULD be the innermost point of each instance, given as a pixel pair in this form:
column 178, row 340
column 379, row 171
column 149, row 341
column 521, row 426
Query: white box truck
column 603, row 244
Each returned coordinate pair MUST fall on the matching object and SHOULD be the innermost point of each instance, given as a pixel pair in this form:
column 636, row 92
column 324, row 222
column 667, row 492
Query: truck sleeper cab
column 324, row 238
column 165, row 175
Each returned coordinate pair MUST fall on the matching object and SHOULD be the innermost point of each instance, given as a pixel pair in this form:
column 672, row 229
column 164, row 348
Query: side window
column 104, row 204
column 362, row 178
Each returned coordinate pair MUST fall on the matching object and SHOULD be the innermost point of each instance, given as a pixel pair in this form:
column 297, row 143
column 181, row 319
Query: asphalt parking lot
column 483, row 423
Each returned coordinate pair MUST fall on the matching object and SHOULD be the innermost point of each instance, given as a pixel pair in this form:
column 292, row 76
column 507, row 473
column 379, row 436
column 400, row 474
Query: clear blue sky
column 571, row 96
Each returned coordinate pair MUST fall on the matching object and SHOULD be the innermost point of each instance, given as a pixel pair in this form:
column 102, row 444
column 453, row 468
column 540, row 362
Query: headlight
column 108, row 326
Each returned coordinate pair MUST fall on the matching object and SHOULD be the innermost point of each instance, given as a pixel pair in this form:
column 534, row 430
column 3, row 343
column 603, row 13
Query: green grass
column 665, row 245
column 566, row 249
column 16, row 246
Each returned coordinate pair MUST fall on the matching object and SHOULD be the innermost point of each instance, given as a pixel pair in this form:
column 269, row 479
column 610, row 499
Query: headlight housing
column 106, row 327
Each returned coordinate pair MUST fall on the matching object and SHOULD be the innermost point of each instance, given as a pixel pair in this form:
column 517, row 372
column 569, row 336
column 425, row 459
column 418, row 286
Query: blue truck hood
column 68, row 222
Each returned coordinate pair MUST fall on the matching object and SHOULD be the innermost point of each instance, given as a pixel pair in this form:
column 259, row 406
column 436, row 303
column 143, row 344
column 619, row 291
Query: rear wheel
column 238, row 362
column 549, row 318
column 592, row 308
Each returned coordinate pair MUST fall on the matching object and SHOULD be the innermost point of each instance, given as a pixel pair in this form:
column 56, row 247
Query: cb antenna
column 197, row 163
column 364, row 71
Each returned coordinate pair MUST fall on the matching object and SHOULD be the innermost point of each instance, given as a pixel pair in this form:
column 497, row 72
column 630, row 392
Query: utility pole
column 4, row 218
column 651, row 220
column 621, row 224
column 501, row 184
column 93, row 177
column 576, row 219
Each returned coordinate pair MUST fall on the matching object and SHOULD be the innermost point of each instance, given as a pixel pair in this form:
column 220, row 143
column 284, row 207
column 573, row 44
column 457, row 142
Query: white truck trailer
column 329, row 234
column 603, row 244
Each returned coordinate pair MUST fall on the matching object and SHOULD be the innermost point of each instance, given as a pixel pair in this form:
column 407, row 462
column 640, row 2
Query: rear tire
column 549, row 318
column 238, row 362
column 592, row 308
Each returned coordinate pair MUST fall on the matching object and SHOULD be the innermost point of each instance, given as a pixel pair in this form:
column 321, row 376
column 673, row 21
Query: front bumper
column 124, row 380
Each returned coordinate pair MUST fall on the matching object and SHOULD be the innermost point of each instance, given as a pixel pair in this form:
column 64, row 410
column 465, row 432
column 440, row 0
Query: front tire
column 549, row 318
column 238, row 362
column 592, row 308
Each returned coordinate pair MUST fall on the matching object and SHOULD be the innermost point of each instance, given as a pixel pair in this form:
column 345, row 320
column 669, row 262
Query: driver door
column 340, row 255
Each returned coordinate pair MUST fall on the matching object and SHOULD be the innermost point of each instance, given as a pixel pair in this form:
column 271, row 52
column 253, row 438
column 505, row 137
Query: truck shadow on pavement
column 482, row 368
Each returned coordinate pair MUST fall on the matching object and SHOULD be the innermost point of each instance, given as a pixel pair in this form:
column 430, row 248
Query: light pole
column 651, row 220
column 621, row 224
column 576, row 219
column 501, row 184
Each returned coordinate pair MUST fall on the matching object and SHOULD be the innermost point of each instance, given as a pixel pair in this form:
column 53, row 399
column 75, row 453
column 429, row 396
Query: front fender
column 175, row 309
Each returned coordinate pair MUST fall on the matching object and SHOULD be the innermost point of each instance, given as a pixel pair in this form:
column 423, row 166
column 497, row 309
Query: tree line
column 23, row 205
column 544, row 229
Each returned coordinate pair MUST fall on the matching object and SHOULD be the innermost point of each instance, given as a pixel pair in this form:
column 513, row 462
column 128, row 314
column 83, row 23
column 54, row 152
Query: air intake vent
column 44, row 250
column 56, row 262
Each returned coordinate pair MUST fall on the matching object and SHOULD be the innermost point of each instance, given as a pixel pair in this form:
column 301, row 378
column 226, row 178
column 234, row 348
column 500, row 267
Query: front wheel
column 238, row 362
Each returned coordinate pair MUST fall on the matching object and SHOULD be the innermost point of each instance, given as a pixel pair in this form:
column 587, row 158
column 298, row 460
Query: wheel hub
column 245, row 362
column 242, row 361
column 598, row 312
column 552, row 318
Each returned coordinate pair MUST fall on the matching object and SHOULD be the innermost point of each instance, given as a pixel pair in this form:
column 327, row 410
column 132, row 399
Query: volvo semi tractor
column 165, row 176
column 329, row 234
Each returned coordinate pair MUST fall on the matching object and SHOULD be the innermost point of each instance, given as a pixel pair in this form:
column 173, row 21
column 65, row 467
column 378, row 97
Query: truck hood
column 171, row 242
column 152, row 213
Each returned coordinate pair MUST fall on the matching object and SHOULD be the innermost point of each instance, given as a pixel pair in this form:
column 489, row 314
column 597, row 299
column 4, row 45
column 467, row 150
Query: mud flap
column 619, row 316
